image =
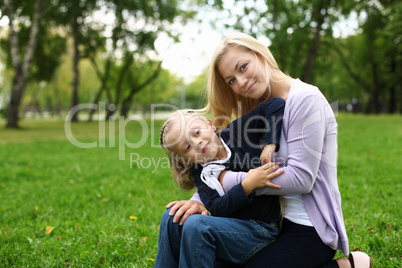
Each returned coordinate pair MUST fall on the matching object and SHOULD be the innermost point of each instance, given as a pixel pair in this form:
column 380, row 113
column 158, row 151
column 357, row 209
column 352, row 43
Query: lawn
column 62, row 205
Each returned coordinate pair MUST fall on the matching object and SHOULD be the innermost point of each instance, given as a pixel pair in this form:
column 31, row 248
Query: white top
column 294, row 209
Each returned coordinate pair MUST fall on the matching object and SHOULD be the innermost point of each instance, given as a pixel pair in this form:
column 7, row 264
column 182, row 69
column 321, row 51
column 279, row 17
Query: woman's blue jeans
column 202, row 239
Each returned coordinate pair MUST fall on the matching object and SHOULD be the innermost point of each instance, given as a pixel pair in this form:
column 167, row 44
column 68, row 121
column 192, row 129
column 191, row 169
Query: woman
column 243, row 73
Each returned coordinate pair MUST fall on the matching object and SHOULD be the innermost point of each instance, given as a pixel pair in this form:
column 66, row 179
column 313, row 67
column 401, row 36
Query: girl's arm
column 255, row 178
column 226, row 205
column 239, row 195
column 252, row 180
column 196, row 197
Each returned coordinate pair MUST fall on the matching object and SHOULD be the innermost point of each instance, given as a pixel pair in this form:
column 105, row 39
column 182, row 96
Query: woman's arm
column 310, row 124
column 184, row 209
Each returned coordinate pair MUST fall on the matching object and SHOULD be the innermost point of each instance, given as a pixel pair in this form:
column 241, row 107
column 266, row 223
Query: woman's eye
column 243, row 67
column 188, row 147
column 231, row 81
column 197, row 132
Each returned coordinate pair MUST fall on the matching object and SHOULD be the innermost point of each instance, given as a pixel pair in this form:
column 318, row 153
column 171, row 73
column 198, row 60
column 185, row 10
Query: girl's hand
column 184, row 209
column 267, row 153
column 261, row 177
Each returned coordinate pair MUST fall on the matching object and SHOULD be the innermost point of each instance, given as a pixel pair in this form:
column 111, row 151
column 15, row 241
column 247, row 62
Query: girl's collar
column 221, row 161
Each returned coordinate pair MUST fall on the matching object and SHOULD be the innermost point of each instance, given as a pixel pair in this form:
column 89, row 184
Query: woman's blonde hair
column 221, row 98
column 181, row 169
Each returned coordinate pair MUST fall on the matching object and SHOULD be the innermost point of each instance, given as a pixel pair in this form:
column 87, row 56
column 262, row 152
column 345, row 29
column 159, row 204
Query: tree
column 164, row 89
column 294, row 28
column 196, row 92
column 300, row 36
column 21, row 62
column 134, row 30
column 373, row 59
column 72, row 14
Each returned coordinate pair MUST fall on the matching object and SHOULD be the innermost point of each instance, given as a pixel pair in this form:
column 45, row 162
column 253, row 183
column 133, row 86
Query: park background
column 87, row 188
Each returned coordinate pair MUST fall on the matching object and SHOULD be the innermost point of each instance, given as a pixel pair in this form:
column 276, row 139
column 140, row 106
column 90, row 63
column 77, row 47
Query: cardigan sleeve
column 305, row 141
column 306, row 134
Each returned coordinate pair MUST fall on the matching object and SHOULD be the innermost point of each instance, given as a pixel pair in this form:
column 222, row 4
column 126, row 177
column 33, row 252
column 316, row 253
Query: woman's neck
column 280, row 87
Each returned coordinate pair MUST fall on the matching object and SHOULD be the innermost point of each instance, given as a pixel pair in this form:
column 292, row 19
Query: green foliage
column 366, row 65
column 48, row 56
column 163, row 89
column 50, row 45
column 88, row 195
column 196, row 92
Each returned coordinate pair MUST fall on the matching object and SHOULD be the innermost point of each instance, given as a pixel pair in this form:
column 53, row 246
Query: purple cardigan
column 310, row 133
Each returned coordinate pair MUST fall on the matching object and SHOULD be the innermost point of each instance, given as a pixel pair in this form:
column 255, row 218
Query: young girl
column 198, row 154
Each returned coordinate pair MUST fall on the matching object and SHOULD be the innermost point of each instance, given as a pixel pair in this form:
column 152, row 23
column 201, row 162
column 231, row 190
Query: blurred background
column 57, row 54
column 66, row 205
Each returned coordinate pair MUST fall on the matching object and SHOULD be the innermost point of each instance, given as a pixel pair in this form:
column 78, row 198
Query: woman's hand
column 261, row 177
column 184, row 209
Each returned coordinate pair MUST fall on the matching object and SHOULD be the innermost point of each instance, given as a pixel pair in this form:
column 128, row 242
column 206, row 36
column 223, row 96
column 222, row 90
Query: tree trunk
column 21, row 69
column 76, row 73
column 126, row 66
column 125, row 107
column 104, row 78
column 376, row 93
column 16, row 96
column 392, row 91
column 309, row 66
column 281, row 56
column 96, row 101
column 57, row 103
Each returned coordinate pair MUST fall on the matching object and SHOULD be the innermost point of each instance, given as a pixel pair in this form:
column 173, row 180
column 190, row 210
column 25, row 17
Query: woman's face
column 244, row 72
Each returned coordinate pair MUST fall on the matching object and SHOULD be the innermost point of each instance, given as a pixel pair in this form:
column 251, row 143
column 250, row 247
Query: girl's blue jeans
column 202, row 239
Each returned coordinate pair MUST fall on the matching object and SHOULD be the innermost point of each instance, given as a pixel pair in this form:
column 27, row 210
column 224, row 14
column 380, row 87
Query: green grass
column 88, row 195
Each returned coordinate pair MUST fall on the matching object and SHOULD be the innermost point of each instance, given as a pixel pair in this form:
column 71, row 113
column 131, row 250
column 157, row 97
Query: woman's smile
column 251, row 88
column 241, row 70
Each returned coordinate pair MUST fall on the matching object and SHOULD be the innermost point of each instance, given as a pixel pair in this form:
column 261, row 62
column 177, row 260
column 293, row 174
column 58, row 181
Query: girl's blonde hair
column 221, row 98
column 181, row 169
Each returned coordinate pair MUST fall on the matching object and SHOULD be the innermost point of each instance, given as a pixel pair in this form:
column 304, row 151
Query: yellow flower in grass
column 150, row 259
column 49, row 229
column 133, row 217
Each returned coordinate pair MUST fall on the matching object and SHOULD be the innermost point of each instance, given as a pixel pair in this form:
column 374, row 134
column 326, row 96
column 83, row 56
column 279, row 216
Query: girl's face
column 244, row 72
column 195, row 140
